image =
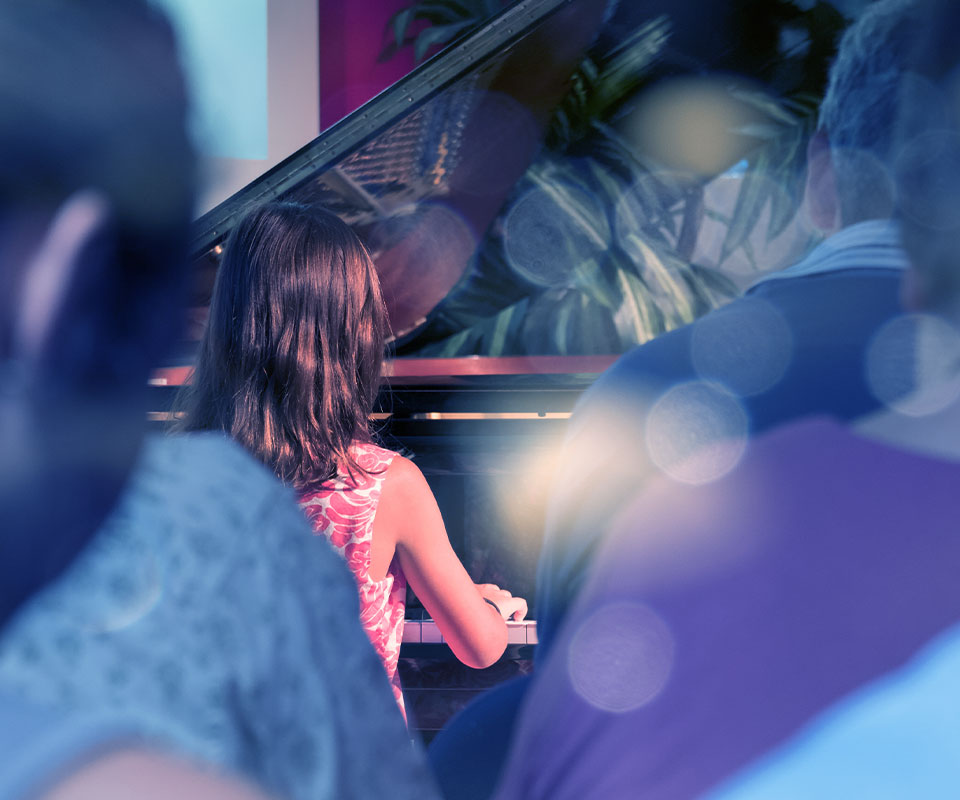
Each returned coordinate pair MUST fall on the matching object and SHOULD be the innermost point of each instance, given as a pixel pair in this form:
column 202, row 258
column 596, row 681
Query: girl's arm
column 408, row 518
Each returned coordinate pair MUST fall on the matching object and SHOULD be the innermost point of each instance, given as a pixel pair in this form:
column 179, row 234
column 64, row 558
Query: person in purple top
column 781, row 619
column 794, row 345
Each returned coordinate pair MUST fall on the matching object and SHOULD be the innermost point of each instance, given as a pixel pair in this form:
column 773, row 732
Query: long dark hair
column 290, row 361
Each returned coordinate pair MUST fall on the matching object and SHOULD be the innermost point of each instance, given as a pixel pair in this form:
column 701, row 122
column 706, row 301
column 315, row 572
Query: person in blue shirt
column 163, row 601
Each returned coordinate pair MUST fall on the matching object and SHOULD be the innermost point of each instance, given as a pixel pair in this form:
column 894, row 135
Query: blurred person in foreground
column 792, row 628
column 68, row 236
column 796, row 344
column 160, row 590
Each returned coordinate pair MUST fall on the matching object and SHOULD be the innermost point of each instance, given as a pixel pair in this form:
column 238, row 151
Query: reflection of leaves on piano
column 493, row 334
column 437, row 34
column 633, row 288
column 603, row 81
column 775, row 163
column 642, row 281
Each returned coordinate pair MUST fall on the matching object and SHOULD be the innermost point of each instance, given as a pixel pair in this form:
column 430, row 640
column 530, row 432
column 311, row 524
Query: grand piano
column 526, row 231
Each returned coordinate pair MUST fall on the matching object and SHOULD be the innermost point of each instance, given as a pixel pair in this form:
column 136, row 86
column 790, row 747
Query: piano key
column 427, row 632
column 516, row 633
column 411, row 631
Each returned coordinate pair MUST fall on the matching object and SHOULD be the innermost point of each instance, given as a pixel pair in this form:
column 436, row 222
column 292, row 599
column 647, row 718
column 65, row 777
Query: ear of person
column 52, row 271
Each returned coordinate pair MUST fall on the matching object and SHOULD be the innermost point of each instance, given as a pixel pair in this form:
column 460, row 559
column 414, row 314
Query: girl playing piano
column 290, row 367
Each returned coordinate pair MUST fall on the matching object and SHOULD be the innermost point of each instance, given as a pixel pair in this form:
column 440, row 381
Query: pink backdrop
column 353, row 33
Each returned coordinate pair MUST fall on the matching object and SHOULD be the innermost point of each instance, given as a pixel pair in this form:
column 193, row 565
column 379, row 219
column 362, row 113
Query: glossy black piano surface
column 524, row 193
column 533, row 212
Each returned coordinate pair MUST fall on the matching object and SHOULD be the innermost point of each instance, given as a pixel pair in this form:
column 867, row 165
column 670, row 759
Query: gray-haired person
column 790, row 629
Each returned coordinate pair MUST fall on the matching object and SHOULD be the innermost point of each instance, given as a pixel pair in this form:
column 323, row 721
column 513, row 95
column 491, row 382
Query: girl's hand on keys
column 510, row 607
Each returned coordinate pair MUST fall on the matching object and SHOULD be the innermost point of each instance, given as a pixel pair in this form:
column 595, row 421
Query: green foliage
column 774, row 168
column 625, row 228
column 632, row 287
column 448, row 20
column 602, row 82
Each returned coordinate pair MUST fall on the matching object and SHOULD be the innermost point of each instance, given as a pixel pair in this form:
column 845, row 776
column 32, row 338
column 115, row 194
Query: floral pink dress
column 343, row 511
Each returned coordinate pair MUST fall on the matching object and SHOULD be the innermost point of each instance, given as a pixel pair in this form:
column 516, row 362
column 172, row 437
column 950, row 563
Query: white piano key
column 430, row 633
column 532, row 632
column 411, row 631
column 427, row 632
column 516, row 633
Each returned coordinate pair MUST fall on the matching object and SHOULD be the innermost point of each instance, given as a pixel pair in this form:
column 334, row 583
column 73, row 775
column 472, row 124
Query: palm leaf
column 458, row 344
column 448, row 19
column 753, row 197
column 592, row 279
column 597, row 88
column 400, row 22
column 438, row 34
column 670, row 286
column 573, row 202
column 638, row 319
column 503, row 329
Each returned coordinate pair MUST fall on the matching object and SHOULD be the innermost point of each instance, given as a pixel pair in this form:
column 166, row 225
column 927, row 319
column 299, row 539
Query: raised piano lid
column 421, row 170
column 444, row 177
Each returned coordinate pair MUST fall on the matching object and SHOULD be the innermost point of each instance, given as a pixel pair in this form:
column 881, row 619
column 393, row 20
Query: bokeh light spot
column 620, row 657
column 549, row 234
column 696, row 432
column 928, row 180
column 912, row 364
column 693, row 124
column 496, row 146
column 422, row 250
column 748, row 357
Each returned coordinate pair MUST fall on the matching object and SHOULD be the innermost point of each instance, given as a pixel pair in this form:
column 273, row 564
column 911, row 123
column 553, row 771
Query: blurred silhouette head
column 927, row 167
column 291, row 357
column 851, row 156
column 96, row 187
